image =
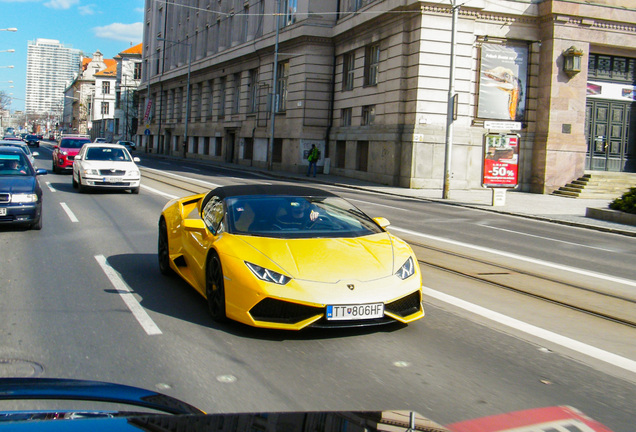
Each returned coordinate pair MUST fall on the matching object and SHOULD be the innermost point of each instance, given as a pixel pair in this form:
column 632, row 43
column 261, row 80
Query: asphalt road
column 62, row 316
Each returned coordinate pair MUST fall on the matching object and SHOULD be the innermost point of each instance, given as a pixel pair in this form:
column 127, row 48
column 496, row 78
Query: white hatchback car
column 105, row 166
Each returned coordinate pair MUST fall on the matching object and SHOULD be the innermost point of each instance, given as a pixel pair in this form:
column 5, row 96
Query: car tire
column 37, row 225
column 74, row 182
column 80, row 187
column 163, row 249
column 135, row 190
column 55, row 170
column 214, row 287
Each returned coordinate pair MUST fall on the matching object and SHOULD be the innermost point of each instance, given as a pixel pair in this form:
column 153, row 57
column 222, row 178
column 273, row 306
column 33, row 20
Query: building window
column 277, row 151
column 248, row 149
column 345, row 117
column 137, row 71
column 199, row 108
column 246, row 19
column 210, row 98
column 105, row 108
column 218, row 147
column 348, row 65
column 222, row 97
column 368, row 115
column 252, row 85
column 362, row 155
column 236, row 96
column 289, row 12
column 106, row 87
column 117, row 126
column 341, row 149
column 605, row 67
column 371, row 63
column 281, row 86
column 117, row 99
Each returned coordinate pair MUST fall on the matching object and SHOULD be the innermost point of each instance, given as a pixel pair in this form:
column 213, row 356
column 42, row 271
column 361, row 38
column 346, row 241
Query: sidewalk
column 551, row 208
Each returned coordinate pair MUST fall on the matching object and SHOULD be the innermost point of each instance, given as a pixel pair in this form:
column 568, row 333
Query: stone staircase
column 598, row 185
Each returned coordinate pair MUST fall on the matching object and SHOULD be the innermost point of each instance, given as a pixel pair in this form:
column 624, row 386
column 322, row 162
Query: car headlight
column 64, row 153
column 407, row 269
column 267, row 275
column 133, row 173
column 24, row 198
column 90, row 171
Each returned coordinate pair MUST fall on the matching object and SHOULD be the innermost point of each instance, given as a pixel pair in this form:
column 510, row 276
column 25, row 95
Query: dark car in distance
column 20, row 191
column 33, row 140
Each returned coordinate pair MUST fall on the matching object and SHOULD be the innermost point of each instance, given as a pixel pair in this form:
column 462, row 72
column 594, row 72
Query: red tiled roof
column 110, row 62
column 110, row 71
column 133, row 50
column 85, row 62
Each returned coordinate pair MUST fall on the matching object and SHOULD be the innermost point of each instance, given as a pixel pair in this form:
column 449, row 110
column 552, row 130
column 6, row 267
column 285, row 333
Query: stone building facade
column 368, row 82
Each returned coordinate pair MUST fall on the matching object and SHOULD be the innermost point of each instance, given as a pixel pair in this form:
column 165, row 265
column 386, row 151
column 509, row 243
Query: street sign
column 147, row 132
column 502, row 125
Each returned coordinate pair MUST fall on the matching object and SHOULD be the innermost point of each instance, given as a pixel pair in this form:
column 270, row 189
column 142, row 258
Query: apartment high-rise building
column 51, row 65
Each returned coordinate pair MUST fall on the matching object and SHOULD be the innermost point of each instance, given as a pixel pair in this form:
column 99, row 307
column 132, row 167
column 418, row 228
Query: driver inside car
column 297, row 214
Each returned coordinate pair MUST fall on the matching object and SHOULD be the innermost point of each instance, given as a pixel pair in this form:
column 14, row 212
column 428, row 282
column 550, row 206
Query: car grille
column 406, row 305
column 70, row 158
column 98, row 183
column 107, row 172
column 278, row 311
column 324, row 323
column 5, row 197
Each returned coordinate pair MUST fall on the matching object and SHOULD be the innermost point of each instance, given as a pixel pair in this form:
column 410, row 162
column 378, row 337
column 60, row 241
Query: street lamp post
column 270, row 147
column 450, row 114
column 11, row 29
column 9, row 50
column 187, row 113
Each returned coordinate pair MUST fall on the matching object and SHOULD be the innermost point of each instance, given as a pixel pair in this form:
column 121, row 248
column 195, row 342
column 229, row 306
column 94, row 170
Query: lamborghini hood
column 329, row 260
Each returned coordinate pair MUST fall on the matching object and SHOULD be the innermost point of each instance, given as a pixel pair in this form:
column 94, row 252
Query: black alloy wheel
column 163, row 251
column 214, row 287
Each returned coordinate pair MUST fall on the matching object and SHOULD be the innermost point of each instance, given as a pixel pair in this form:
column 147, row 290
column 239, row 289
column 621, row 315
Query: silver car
column 24, row 146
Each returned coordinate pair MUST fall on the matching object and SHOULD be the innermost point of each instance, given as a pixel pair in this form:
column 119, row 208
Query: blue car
column 20, row 191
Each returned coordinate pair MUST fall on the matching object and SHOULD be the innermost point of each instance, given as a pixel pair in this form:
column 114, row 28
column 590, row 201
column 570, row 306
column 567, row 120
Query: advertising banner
column 501, row 161
column 148, row 111
column 305, row 147
column 502, row 82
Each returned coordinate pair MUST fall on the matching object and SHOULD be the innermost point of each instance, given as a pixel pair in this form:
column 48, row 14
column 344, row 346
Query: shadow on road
column 171, row 296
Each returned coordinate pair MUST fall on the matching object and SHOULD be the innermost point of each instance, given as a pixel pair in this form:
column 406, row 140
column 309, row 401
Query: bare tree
column 5, row 100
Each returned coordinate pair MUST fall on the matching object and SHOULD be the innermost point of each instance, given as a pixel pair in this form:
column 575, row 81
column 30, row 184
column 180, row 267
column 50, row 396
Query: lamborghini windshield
column 297, row 217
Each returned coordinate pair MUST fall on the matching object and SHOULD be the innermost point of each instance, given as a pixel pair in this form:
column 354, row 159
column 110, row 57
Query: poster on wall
column 305, row 147
column 503, row 82
column 614, row 91
column 501, row 161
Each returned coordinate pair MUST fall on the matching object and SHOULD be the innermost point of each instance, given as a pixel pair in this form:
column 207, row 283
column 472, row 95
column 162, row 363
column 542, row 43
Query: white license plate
column 3, row 211
column 112, row 179
column 355, row 312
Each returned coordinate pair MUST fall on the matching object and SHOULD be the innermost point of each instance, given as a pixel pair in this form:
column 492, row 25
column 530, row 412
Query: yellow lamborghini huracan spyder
column 289, row 257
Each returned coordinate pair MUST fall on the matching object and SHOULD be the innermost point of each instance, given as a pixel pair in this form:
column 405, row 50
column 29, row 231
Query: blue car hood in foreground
column 18, row 184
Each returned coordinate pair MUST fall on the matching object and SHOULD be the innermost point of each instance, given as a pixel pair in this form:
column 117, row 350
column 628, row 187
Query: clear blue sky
column 109, row 26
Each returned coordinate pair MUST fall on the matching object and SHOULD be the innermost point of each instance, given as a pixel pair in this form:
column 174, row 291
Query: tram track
column 542, row 284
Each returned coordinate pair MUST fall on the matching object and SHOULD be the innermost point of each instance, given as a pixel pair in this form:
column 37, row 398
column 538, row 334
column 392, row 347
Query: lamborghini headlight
column 407, row 269
column 267, row 275
column 24, row 198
